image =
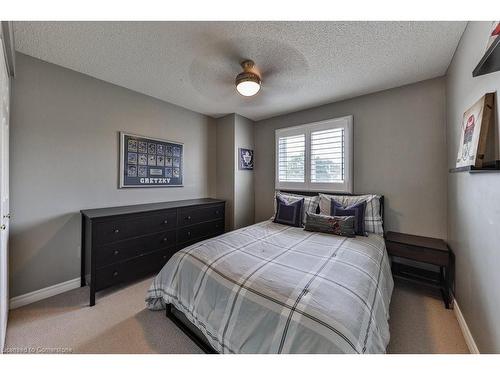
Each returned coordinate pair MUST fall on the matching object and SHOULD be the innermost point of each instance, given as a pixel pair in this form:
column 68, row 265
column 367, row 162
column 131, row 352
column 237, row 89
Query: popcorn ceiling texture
column 193, row 64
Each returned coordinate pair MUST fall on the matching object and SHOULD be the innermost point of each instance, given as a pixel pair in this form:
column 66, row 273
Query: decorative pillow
column 310, row 203
column 373, row 220
column 357, row 210
column 289, row 213
column 341, row 226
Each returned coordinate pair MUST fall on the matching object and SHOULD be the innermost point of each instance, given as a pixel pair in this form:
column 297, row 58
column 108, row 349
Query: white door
column 4, row 195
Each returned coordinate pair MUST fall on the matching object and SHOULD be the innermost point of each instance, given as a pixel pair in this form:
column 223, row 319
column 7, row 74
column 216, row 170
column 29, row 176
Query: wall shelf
column 487, row 168
column 491, row 60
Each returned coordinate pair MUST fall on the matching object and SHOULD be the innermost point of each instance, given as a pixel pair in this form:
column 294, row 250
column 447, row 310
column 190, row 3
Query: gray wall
column 225, row 165
column 474, row 199
column 243, row 179
column 399, row 151
column 64, row 157
column 234, row 185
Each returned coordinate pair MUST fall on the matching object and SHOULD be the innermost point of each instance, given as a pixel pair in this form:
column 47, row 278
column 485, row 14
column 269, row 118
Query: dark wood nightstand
column 424, row 250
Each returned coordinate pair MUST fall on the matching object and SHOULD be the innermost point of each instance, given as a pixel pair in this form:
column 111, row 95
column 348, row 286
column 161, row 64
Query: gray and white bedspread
column 270, row 288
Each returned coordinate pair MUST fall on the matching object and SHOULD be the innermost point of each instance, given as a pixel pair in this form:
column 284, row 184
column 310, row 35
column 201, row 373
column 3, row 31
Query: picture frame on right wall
column 474, row 132
column 494, row 33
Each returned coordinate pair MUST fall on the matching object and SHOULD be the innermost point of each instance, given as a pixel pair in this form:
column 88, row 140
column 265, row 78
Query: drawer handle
column 116, row 252
column 117, row 230
column 165, row 239
column 188, row 217
column 189, row 234
column 217, row 225
column 217, row 212
column 165, row 221
column 115, row 273
column 164, row 257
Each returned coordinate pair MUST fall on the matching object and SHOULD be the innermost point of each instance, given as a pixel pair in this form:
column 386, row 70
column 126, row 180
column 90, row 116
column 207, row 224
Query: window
column 315, row 156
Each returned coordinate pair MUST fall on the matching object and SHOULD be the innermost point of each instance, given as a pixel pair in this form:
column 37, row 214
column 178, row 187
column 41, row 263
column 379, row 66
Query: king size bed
column 274, row 288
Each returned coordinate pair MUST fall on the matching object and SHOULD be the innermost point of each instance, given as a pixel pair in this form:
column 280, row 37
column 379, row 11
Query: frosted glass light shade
column 248, row 88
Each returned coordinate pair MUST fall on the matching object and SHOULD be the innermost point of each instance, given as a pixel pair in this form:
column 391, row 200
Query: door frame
column 7, row 48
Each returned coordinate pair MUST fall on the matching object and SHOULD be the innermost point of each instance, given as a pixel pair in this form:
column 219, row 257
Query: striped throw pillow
column 373, row 220
column 289, row 213
column 310, row 203
column 339, row 225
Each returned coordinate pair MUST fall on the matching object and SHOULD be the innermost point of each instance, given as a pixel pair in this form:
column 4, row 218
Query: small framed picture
column 160, row 149
column 474, row 132
column 168, row 172
column 143, row 159
column 151, row 159
column 151, row 148
column 168, row 162
column 176, row 151
column 246, row 159
column 176, row 162
column 143, row 147
column 176, row 172
column 132, row 171
column 160, row 160
column 169, row 151
column 132, row 145
column 132, row 158
column 142, row 171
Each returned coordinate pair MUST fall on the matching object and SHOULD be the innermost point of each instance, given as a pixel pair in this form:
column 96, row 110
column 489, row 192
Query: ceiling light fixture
column 247, row 82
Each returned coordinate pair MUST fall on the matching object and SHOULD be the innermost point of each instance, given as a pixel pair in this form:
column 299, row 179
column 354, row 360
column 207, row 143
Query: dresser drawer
column 200, row 231
column 122, row 250
column 120, row 229
column 132, row 269
column 189, row 216
column 419, row 254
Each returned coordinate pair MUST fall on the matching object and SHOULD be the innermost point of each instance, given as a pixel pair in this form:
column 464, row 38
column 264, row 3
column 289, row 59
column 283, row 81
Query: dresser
column 121, row 244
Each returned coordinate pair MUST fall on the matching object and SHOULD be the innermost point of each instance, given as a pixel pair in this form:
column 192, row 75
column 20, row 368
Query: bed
column 272, row 288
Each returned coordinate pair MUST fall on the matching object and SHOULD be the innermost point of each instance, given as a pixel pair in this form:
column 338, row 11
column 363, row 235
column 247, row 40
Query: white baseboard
column 47, row 292
column 469, row 339
column 3, row 333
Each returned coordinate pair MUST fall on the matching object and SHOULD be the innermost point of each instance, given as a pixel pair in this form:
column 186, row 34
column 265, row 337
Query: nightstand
column 426, row 250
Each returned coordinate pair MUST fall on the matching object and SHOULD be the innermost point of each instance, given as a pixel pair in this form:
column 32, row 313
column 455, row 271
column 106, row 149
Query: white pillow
column 373, row 220
column 310, row 203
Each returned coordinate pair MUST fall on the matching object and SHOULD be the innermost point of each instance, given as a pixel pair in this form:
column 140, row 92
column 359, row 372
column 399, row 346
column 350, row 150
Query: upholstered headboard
column 313, row 193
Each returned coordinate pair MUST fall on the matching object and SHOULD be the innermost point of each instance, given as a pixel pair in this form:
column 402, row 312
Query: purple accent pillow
column 356, row 210
column 289, row 213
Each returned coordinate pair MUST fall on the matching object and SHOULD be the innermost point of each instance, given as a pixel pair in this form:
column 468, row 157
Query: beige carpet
column 119, row 323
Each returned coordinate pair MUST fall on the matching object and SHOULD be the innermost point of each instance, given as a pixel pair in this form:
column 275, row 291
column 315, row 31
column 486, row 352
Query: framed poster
column 494, row 33
column 474, row 132
column 150, row 162
column 245, row 159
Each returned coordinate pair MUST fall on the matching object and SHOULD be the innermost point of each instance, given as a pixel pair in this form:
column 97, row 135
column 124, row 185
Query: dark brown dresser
column 125, row 243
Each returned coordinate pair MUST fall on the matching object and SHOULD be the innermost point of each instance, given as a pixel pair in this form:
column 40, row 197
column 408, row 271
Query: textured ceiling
column 193, row 64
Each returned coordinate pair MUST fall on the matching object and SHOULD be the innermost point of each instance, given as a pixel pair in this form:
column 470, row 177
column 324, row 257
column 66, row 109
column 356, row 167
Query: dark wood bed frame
column 192, row 331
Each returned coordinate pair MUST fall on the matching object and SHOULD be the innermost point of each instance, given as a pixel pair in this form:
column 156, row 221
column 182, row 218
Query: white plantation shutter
column 327, row 155
column 315, row 157
column 291, row 158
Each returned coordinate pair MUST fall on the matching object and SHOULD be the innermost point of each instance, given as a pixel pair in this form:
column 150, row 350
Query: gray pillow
column 338, row 225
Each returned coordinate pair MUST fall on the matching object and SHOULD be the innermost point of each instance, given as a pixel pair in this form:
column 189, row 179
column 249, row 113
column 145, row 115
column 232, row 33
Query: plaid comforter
column 270, row 288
